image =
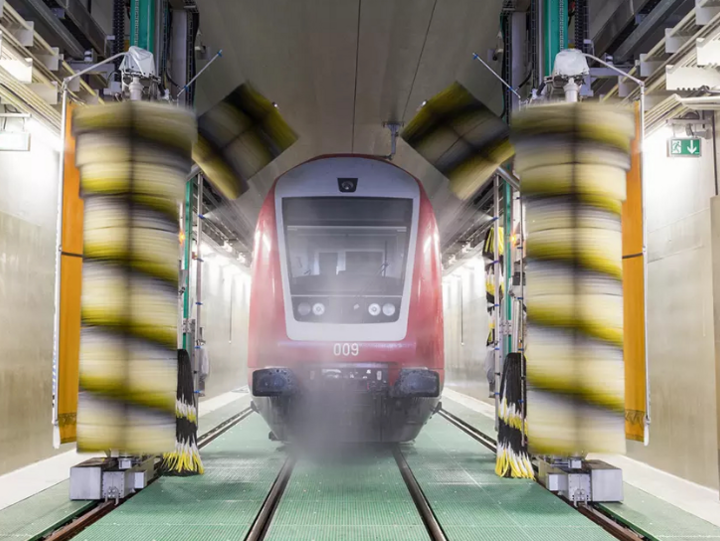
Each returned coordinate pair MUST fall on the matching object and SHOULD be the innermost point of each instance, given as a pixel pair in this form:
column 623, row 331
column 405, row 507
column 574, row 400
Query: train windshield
column 347, row 245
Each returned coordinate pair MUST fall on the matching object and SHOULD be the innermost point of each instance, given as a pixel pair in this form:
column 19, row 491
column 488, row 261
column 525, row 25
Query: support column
column 555, row 37
column 715, row 247
column 142, row 24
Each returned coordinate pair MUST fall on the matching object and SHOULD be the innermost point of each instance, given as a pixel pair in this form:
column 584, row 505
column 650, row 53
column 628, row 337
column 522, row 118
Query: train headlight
column 374, row 309
column 304, row 309
column 318, row 308
column 389, row 309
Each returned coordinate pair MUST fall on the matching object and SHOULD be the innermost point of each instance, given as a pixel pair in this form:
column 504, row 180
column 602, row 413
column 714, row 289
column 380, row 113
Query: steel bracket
column 691, row 78
column 24, row 34
column 705, row 11
column 648, row 67
column 708, row 50
column 51, row 60
column 673, row 42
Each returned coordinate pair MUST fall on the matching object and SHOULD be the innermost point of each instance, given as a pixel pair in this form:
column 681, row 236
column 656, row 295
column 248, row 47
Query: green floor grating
column 240, row 467
column 656, row 519
column 209, row 421
column 483, row 423
column 358, row 499
column 33, row 517
column 457, row 475
column 652, row 517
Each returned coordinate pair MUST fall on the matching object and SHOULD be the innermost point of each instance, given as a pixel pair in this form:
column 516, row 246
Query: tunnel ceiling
column 339, row 68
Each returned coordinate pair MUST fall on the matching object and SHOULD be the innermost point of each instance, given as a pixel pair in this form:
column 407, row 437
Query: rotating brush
column 460, row 137
column 185, row 459
column 572, row 159
column 133, row 159
column 513, row 459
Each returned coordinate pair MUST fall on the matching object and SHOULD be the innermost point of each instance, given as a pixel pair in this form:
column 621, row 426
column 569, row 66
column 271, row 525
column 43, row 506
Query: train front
column 346, row 335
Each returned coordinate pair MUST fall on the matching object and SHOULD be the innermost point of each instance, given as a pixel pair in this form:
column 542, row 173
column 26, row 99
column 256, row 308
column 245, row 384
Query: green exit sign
column 684, row 147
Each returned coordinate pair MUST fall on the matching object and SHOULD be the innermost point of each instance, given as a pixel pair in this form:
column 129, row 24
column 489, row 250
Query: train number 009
column 346, row 350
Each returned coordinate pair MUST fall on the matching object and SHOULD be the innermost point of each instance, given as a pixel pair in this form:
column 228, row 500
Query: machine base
column 582, row 481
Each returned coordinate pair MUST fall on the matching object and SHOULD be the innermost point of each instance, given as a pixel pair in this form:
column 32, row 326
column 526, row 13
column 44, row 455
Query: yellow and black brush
column 238, row 137
column 461, row 138
column 133, row 158
column 572, row 159
column 513, row 459
column 185, row 459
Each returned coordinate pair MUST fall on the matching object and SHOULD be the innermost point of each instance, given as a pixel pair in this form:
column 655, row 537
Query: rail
column 261, row 524
column 74, row 525
column 617, row 530
column 423, row 506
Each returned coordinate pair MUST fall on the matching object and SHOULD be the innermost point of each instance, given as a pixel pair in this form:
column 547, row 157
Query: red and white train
column 346, row 328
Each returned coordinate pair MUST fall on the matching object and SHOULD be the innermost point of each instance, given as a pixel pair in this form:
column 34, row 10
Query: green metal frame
column 142, row 24
column 188, row 213
column 508, row 343
column 555, row 18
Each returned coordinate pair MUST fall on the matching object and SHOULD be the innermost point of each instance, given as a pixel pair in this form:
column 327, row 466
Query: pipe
column 643, row 195
column 508, row 177
column 507, row 342
column 476, row 57
column 641, row 84
column 69, row 78
column 496, row 307
column 186, row 260
column 571, row 90
column 198, row 282
column 540, row 45
column 199, row 73
column 521, row 316
column 58, row 271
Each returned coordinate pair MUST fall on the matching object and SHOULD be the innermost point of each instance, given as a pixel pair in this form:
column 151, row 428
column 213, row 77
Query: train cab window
column 347, row 247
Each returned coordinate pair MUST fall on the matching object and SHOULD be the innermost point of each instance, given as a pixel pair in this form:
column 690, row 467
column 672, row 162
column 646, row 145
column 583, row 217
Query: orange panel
column 70, row 288
column 72, row 237
column 634, row 296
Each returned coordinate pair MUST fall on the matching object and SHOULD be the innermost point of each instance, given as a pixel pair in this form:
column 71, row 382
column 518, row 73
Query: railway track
column 617, row 530
column 262, row 525
column 68, row 530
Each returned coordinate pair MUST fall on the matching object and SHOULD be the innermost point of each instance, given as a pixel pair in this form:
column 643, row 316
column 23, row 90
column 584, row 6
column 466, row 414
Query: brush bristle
column 185, row 459
column 513, row 459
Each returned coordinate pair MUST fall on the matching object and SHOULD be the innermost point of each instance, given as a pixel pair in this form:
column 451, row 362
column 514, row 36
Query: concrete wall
column 226, row 298
column 28, row 205
column 466, row 330
column 683, row 433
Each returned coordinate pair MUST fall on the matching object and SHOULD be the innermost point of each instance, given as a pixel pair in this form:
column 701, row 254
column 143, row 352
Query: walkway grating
column 457, row 475
column 657, row 519
column 240, row 467
column 210, row 420
column 30, row 519
column 648, row 515
column 361, row 498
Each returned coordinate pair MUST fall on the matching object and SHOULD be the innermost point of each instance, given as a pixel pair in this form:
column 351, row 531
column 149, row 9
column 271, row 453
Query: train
column 346, row 320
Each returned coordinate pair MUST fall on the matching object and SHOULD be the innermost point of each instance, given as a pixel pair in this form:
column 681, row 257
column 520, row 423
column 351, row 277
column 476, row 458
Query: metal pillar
column 497, row 309
column 555, row 17
column 186, row 262
column 142, row 24
column 507, row 341
column 198, row 286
